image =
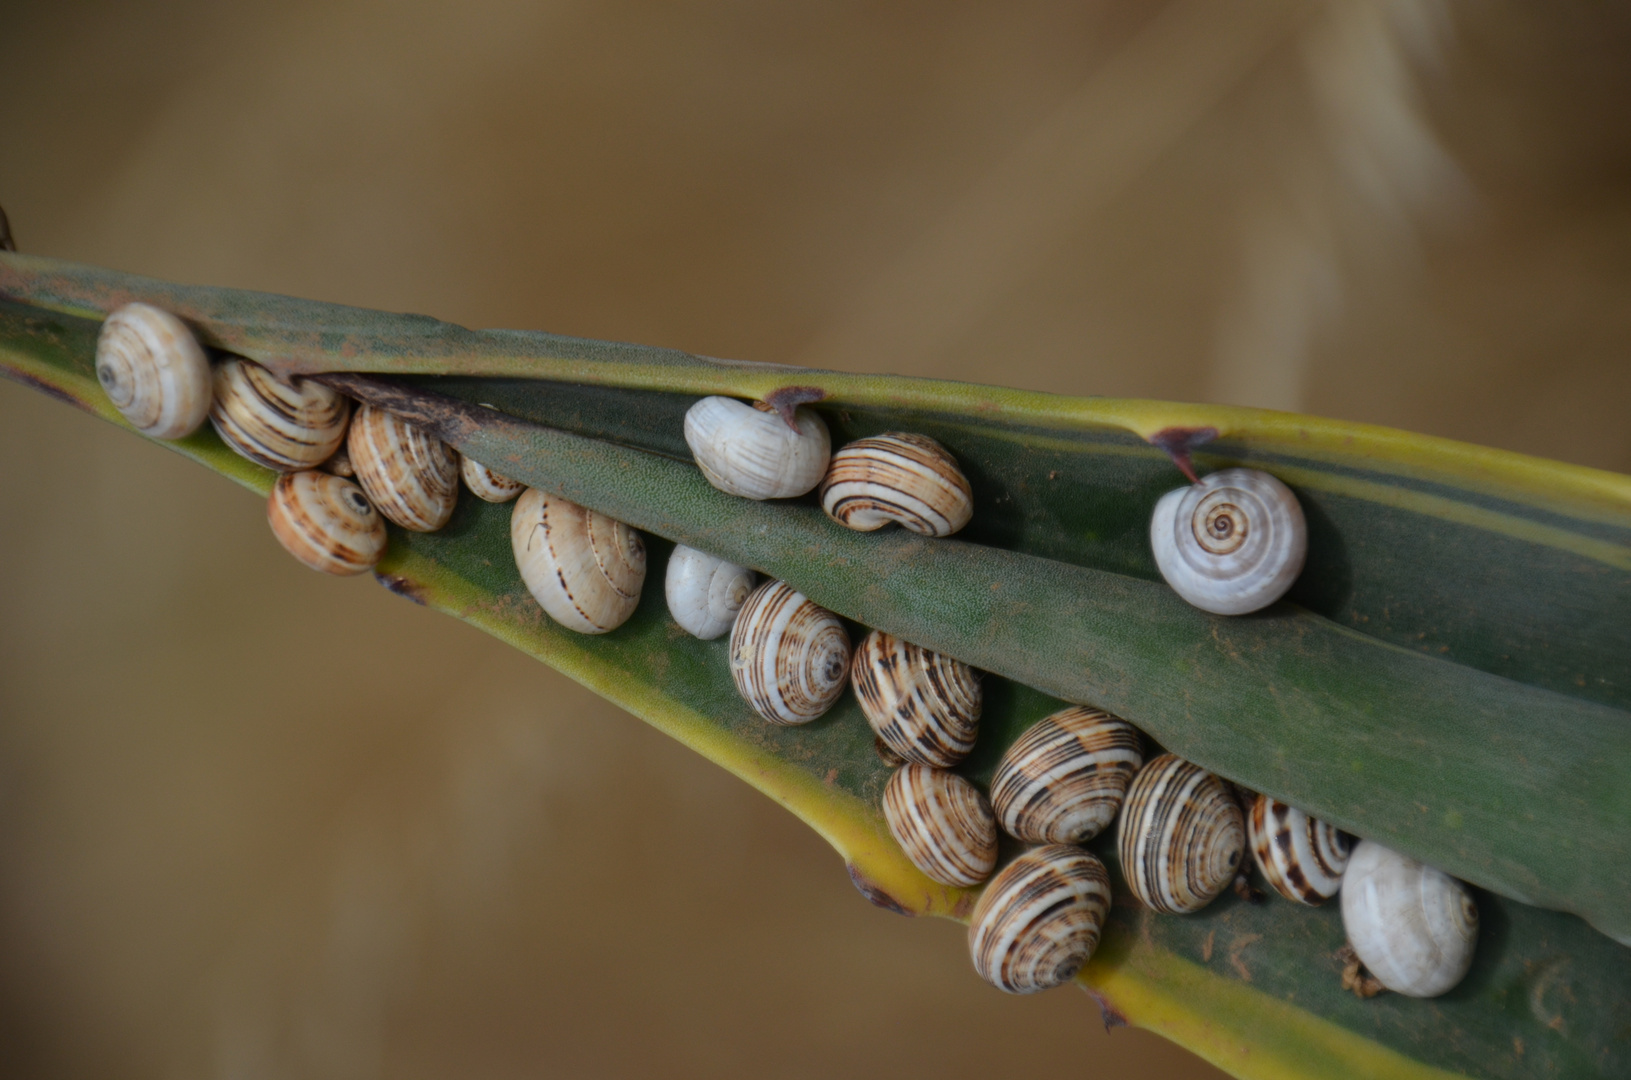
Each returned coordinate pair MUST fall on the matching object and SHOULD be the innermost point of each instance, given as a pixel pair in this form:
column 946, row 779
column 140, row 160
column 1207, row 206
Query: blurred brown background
column 258, row 824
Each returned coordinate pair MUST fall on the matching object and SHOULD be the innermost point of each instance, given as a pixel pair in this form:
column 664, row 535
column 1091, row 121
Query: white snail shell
column 789, row 656
column 1064, row 779
column 904, row 478
column 1038, row 921
column 154, row 371
column 283, row 425
column 487, row 485
column 704, row 592
column 1232, row 543
column 748, row 450
column 943, row 824
column 326, row 522
column 1182, row 836
column 924, row 706
column 410, row 475
column 1414, row 927
column 1302, row 858
column 584, row 568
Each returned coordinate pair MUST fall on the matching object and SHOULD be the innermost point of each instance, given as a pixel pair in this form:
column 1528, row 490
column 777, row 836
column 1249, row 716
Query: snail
column 1414, row 927
column 1038, row 921
column 1181, row 836
column 487, row 485
column 283, row 425
column 410, row 475
column 326, row 522
column 923, row 706
column 154, row 371
column 705, row 593
column 748, row 450
column 1064, row 779
column 1302, row 858
column 339, row 463
column 1232, row 543
column 907, row 479
column 584, row 569
column 943, row 824
column 789, row 656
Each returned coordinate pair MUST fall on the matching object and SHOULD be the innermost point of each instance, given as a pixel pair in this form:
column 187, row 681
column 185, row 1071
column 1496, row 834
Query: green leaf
column 1460, row 640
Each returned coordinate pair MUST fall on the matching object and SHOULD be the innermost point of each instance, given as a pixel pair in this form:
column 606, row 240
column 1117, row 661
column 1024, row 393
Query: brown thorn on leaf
column 6, row 242
column 1112, row 1016
column 1354, row 975
column 788, row 398
column 874, row 892
column 1179, row 442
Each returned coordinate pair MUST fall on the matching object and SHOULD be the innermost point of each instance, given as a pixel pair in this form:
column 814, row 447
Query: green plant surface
column 1251, row 987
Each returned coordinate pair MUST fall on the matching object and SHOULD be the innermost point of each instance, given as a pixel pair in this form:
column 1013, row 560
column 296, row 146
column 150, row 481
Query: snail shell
column 924, row 706
column 943, row 824
column 339, row 463
column 1232, row 543
column 487, row 485
column 410, row 475
column 1414, row 927
column 1301, row 857
column 704, row 592
column 326, row 522
column 584, row 569
column 1038, row 921
column 908, row 479
column 283, row 425
column 789, row 656
column 1064, row 779
column 748, row 450
column 1182, row 836
column 154, row 371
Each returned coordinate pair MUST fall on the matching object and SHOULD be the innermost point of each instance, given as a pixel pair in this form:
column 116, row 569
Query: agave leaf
column 1252, row 988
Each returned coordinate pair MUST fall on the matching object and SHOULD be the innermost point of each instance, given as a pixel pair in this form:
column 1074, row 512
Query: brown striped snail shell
column 326, row 522
column 748, row 450
column 154, row 371
column 904, row 478
column 487, row 485
column 1064, row 779
column 1413, row 926
column 1038, row 921
column 281, row 424
column 943, row 824
column 410, row 475
column 1182, row 836
column 1231, row 544
column 924, row 706
column 584, row 568
column 789, row 656
column 1302, row 858
column 339, row 463
column 704, row 592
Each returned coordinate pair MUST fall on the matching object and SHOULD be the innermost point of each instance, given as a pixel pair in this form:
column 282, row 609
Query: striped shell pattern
column 283, row 425
column 326, row 522
column 789, row 656
column 904, row 478
column 410, row 475
column 923, row 706
column 1064, row 779
column 1182, row 836
column 584, row 568
column 1038, row 921
column 1302, row 858
column 943, row 824
column 487, row 485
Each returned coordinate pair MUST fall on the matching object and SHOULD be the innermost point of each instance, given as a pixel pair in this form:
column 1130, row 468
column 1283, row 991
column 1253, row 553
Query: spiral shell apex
column 1414, row 927
column 705, row 593
column 487, row 485
column 409, row 474
column 748, row 450
column 1302, row 858
column 1064, row 779
column 281, row 424
column 924, row 706
column 1038, row 921
column 154, row 371
column 904, row 478
column 1182, row 836
column 584, row 568
column 789, row 656
column 326, row 522
column 943, row 824
column 1231, row 544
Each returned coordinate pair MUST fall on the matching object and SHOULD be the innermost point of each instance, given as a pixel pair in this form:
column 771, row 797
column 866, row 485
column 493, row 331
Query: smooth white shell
column 923, row 706
column 326, row 522
column 410, row 475
column 1302, row 858
column 789, row 656
column 584, row 568
column 1038, row 921
column 1414, row 927
column 154, row 371
column 1231, row 544
column 750, row 451
column 942, row 823
column 281, row 424
column 905, row 478
column 704, row 592
column 487, row 485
